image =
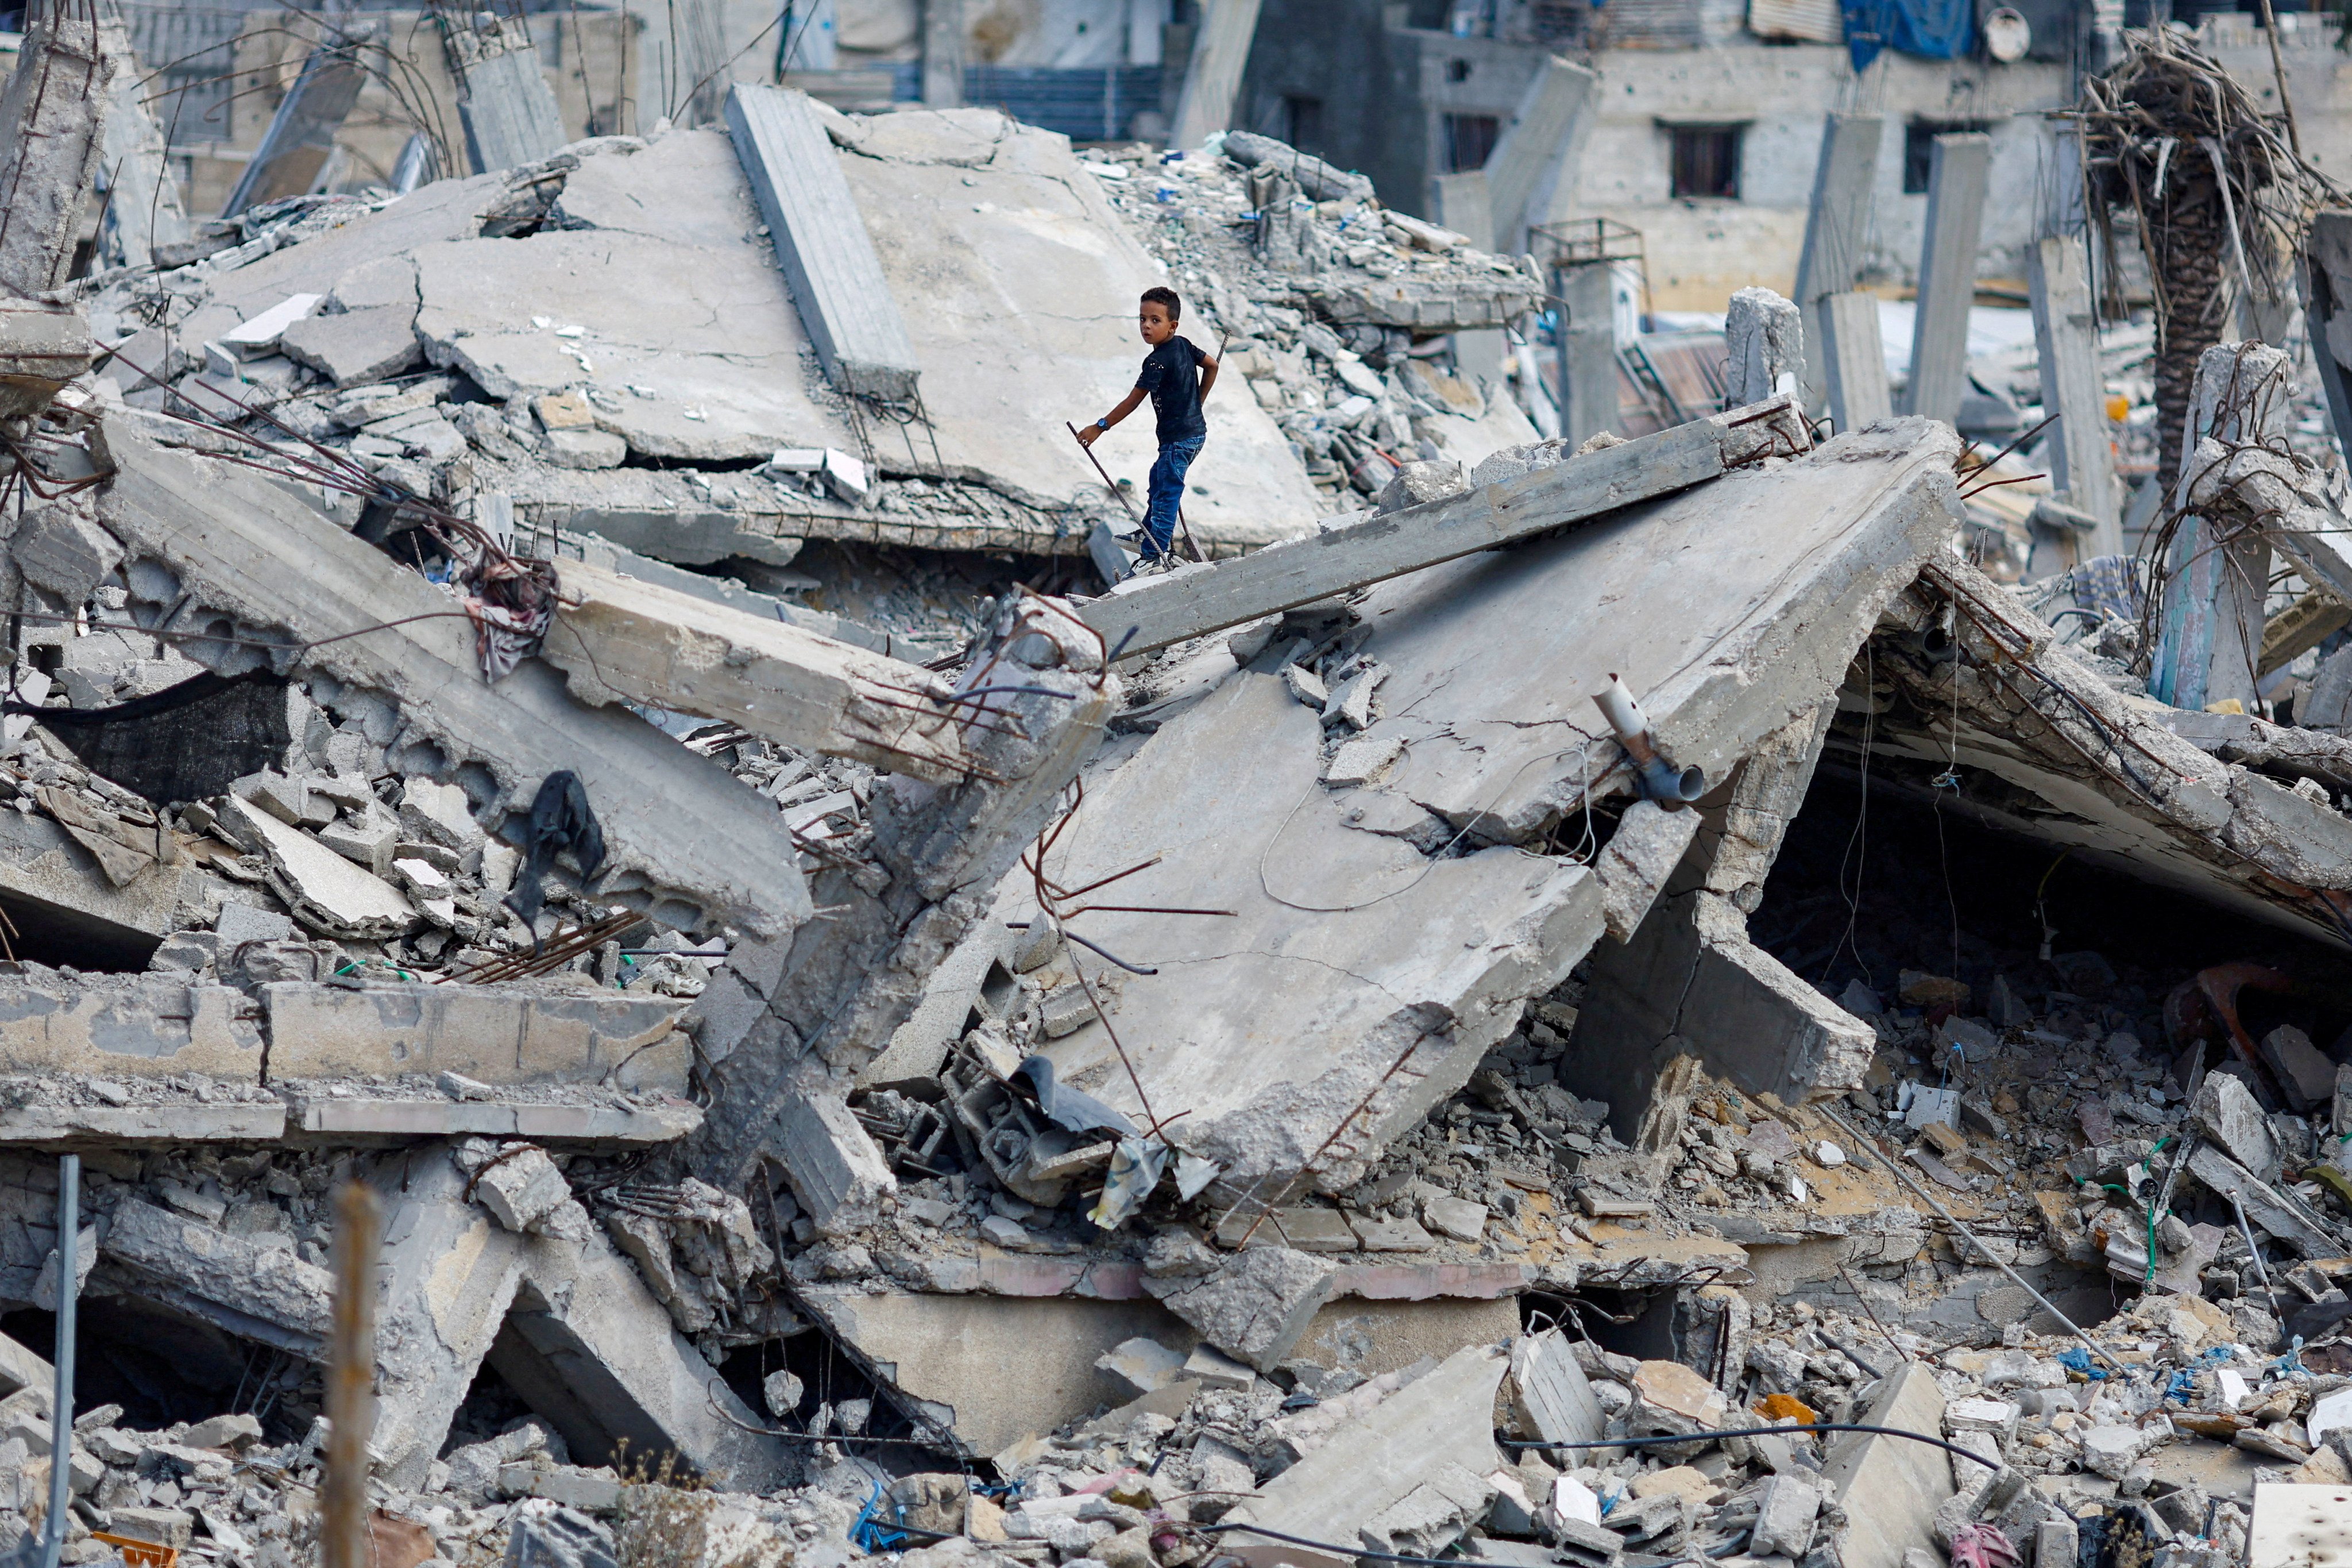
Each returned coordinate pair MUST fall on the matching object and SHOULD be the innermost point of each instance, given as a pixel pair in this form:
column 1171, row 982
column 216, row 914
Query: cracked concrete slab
column 1730, row 609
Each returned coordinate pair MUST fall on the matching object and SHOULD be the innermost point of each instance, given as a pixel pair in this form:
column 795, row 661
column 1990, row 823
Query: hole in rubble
column 490, row 1406
column 63, row 937
column 163, row 1368
column 2119, row 946
column 828, row 1376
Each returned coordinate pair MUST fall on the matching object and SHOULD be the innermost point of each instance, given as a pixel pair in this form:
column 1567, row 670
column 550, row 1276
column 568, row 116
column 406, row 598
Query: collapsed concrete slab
column 562, row 1317
column 725, row 856
column 2227, row 807
column 1361, row 975
column 618, row 639
column 138, row 1026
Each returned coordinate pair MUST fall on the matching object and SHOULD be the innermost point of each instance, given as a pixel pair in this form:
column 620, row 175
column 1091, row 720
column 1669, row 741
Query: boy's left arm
column 1208, row 371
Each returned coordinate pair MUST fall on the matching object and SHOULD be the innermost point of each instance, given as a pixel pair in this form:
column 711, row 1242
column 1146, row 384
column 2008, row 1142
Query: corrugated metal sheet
column 1086, row 105
column 1815, row 21
column 1651, row 25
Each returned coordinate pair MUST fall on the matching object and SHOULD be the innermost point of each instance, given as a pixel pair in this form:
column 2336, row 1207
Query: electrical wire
column 1757, row 1432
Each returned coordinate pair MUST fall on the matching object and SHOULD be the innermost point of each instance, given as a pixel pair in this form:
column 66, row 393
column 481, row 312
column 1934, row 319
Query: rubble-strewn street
column 642, row 927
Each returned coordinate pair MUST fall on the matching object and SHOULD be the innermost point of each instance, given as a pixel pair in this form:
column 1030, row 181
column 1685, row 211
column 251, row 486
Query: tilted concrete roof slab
column 1728, row 610
column 686, row 841
column 1024, row 284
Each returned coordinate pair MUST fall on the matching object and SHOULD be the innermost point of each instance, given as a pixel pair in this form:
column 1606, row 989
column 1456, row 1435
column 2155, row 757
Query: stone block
column 584, row 449
column 1255, row 1306
column 493, row 1034
column 1784, row 1517
column 836, row 1172
column 2225, row 1110
column 521, row 1187
column 2301, row 1068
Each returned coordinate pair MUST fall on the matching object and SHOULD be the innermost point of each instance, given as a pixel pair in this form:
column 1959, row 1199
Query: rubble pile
column 1339, row 311
column 553, row 707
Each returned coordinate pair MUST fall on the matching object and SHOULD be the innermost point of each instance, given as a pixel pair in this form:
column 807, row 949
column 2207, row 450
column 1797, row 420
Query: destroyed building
column 1739, row 985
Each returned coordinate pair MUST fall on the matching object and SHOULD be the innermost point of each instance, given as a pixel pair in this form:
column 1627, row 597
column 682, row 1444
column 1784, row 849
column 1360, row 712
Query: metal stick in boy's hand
column 1177, row 375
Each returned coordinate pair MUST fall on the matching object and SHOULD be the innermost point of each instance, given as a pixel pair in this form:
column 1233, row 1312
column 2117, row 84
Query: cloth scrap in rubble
column 1065, row 1106
column 560, row 819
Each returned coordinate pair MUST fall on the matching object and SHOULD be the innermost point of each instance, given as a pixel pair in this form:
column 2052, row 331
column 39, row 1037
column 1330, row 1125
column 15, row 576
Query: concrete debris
column 548, row 695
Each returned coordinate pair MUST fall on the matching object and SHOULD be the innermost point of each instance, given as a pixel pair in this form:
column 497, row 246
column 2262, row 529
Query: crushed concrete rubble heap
column 1288, row 1058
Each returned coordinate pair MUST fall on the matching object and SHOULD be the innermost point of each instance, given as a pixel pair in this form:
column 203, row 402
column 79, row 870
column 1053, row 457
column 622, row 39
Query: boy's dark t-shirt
column 1171, row 373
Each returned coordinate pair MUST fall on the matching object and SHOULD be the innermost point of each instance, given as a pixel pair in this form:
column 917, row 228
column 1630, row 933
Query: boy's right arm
column 1088, row 433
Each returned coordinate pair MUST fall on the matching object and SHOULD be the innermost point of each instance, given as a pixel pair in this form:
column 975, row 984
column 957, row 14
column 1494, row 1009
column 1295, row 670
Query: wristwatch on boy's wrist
column 1103, row 426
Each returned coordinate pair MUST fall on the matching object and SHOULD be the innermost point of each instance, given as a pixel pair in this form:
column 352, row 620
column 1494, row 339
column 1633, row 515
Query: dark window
column 1302, row 121
column 1706, row 160
column 1919, row 149
column 1457, row 70
column 1469, row 139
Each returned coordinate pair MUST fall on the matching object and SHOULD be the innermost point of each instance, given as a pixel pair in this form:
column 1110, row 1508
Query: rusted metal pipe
column 351, row 1381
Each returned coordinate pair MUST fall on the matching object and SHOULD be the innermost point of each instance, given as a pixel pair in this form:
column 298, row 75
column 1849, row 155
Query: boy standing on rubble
column 1177, row 375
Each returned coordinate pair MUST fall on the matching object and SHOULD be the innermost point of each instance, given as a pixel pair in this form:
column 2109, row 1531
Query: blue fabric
column 1167, row 495
column 1933, row 29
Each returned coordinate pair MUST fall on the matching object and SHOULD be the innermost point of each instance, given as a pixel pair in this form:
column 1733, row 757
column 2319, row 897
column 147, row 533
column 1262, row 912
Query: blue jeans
column 1167, row 495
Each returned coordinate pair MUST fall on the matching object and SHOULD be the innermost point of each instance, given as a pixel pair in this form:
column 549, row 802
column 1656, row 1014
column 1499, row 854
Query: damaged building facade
column 581, row 704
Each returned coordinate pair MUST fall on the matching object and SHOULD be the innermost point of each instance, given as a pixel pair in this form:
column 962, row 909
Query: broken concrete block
column 619, row 638
column 356, row 348
column 521, row 1187
column 2225, row 1110
column 1433, row 1516
column 1552, row 1400
column 1784, row 1517
column 132, row 1025
column 1457, row 1218
column 62, row 548
column 547, row 1535
column 837, row 1174
column 1636, row 861
column 331, row 893
column 254, row 1290
column 236, row 1431
column 1147, row 1364
column 1255, row 1306
column 258, row 335
column 1888, row 1486
column 1420, row 482
column 2303, row 1070
column 1363, row 760
column 1440, row 1422
column 1212, row 1368
column 822, row 245
column 590, row 450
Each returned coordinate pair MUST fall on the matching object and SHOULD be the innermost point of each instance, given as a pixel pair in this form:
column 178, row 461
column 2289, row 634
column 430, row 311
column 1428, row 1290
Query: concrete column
column 2210, row 645
column 302, row 132
column 143, row 206
column 52, row 130
column 1221, row 49
column 2066, row 335
column 2327, row 278
column 1764, row 347
column 1553, row 115
column 1465, row 205
column 1690, row 984
column 1587, row 352
column 1947, row 274
column 1837, row 227
column 1855, row 358
column 943, row 52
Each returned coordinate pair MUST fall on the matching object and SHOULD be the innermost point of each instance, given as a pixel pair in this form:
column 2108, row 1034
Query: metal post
column 53, row 1528
column 351, row 1381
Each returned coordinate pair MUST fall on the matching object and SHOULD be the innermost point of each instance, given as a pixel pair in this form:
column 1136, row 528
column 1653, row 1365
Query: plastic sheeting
column 1934, row 29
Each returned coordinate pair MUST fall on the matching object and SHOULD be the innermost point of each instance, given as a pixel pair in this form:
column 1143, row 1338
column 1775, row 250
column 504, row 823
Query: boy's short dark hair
column 1165, row 297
